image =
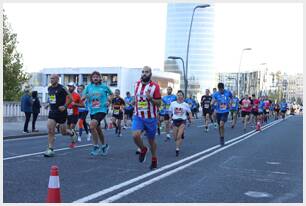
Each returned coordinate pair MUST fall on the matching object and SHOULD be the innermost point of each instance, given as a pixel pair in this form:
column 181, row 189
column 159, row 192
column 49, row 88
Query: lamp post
column 184, row 72
column 187, row 55
column 238, row 74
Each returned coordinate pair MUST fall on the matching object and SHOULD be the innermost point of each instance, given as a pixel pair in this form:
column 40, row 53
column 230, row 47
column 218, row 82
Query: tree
column 13, row 75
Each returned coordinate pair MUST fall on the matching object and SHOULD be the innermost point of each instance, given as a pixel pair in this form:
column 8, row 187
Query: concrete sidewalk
column 14, row 129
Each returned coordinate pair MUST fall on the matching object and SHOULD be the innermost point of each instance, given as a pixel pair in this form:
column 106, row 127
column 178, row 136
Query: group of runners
column 144, row 112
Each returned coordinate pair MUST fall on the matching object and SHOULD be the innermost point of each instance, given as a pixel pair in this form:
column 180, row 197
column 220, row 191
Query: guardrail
column 12, row 109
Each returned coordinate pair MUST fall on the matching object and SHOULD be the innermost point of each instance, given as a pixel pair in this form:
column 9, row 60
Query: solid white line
column 26, row 138
column 37, row 153
column 123, row 184
column 144, row 184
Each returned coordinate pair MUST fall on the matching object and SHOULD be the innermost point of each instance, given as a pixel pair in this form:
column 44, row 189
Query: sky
column 133, row 35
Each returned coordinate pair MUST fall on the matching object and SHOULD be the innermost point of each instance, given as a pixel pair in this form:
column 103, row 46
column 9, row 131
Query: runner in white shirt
column 178, row 110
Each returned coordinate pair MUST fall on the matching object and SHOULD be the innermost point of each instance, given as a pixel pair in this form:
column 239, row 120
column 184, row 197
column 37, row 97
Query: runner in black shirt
column 117, row 105
column 206, row 107
column 59, row 98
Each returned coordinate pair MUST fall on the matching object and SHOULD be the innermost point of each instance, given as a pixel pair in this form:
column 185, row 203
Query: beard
column 146, row 78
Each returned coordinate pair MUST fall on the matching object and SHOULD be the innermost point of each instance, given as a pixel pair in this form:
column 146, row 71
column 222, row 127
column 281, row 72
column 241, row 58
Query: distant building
column 115, row 77
column 201, row 71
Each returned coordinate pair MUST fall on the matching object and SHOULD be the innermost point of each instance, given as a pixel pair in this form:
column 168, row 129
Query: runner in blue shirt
column 99, row 97
column 165, row 113
column 283, row 107
column 223, row 98
column 234, row 105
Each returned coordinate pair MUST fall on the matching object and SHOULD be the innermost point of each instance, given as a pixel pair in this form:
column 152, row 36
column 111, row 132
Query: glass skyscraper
column 201, row 73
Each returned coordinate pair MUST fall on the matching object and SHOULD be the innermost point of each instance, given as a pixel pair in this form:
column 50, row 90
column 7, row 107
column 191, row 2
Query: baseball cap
column 71, row 84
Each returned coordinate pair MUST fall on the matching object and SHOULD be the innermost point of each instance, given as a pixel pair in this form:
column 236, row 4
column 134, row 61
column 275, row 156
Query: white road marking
column 123, row 184
column 37, row 153
column 162, row 176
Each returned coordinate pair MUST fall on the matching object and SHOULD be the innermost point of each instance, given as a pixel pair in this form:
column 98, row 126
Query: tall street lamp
column 187, row 55
column 238, row 74
column 184, row 72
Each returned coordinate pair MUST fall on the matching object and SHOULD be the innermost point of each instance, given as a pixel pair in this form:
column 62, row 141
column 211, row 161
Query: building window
column 114, row 80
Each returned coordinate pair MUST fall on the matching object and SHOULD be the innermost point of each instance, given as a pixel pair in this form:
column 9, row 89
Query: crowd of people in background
column 146, row 113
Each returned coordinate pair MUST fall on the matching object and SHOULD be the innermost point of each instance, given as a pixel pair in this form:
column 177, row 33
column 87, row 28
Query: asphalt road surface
column 252, row 167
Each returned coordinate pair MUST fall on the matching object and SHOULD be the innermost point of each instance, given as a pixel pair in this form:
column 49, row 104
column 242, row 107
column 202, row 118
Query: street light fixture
column 184, row 72
column 187, row 55
column 238, row 74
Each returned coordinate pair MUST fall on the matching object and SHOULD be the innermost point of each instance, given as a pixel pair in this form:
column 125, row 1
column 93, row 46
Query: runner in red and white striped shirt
column 147, row 100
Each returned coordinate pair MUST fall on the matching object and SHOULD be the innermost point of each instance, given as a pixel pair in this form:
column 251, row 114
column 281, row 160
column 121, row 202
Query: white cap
column 71, row 84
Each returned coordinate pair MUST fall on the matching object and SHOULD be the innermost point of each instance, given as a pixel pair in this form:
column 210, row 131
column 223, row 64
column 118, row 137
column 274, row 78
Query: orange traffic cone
column 54, row 193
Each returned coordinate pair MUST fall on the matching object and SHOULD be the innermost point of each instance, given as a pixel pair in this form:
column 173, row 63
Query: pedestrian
column 99, row 97
column 223, row 98
column 147, row 100
column 26, row 107
column 58, row 100
column 36, row 110
column 179, row 110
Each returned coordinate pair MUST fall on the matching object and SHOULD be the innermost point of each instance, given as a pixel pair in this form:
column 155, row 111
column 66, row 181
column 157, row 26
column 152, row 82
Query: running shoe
column 177, row 151
column 88, row 137
column 94, row 151
column 120, row 134
column 79, row 139
column 153, row 164
column 142, row 155
column 104, row 149
column 73, row 136
column 72, row 145
column 215, row 125
column 138, row 151
column 49, row 152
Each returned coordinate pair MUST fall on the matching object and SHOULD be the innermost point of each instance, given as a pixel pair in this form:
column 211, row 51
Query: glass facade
column 201, row 62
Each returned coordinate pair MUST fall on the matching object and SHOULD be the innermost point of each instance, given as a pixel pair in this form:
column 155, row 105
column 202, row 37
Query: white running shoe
column 88, row 137
column 79, row 139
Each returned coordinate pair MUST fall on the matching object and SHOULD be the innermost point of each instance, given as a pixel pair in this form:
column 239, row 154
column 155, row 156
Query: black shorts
column 98, row 116
column 118, row 116
column 178, row 122
column 72, row 119
column 243, row 113
column 83, row 115
column 277, row 110
column 283, row 111
column 166, row 117
column 57, row 116
column 129, row 113
column 222, row 117
column 206, row 111
column 255, row 113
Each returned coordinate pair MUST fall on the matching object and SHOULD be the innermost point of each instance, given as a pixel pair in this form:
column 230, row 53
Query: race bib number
column 223, row 106
column 70, row 111
column 246, row 105
column 143, row 105
column 116, row 111
column 167, row 106
column 96, row 104
column 206, row 106
column 52, row 99
column 233, row 104
column 267, row 110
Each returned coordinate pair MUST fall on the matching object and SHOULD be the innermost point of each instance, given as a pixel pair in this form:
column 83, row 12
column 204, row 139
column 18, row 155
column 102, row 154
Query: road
column 252, row 167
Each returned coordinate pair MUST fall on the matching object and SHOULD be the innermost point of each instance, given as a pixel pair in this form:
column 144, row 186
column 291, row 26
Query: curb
column 25, row 135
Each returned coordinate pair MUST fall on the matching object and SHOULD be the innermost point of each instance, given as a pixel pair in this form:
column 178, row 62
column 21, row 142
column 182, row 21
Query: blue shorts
column 147, row 125
column 222, row 117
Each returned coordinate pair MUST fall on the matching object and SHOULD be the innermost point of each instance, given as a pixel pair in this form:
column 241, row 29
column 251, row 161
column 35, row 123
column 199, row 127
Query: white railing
column 12, row 109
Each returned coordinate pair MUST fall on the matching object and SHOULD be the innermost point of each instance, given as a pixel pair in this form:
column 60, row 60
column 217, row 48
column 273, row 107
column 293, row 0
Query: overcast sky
column 133, row 34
